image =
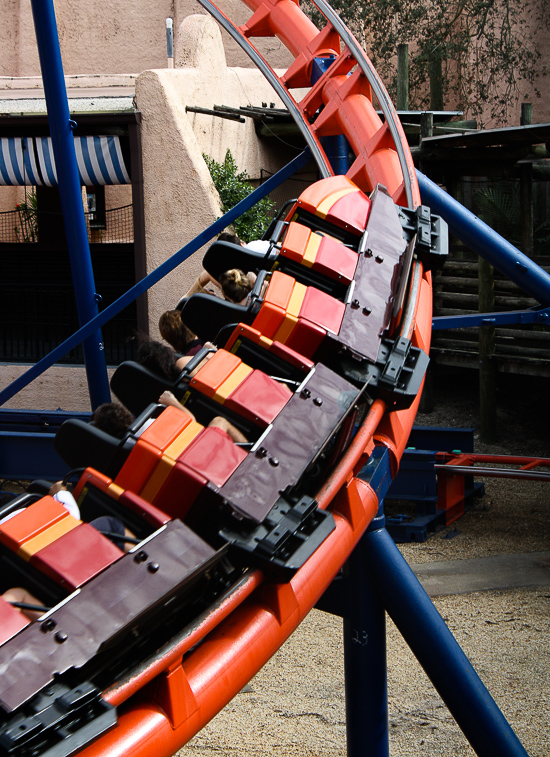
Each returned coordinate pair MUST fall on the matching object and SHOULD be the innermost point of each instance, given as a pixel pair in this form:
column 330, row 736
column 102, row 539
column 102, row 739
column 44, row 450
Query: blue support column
column 70, row 192
column 365, row 665
column 336, row 148
column 377, row 579
column 365, row 634
column 486, row 242
column 436, row 649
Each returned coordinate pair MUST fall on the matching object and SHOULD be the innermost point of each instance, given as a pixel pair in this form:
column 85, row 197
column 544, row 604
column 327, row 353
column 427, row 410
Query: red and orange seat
column 60, row 546
column 175, row 457
column 336, row 200
column 319, row 252
column 297, row 316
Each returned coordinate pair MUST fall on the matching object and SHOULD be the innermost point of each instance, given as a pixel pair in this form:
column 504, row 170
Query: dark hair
column 235, row 284
column 174, row 331
column 157, row 357
column 229, row 236
column 112, row 418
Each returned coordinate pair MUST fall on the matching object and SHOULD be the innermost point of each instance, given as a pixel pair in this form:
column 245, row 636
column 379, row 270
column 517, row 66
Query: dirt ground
column 296, row 704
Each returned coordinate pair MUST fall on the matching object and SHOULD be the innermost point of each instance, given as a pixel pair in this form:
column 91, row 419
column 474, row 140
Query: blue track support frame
column 365, row 667
column 377, row 579
column 365, row 663
column 155, row 276
column 68, row 180
column 441, row 322
column 425, row 631
column 336, row 147
column 486, row 242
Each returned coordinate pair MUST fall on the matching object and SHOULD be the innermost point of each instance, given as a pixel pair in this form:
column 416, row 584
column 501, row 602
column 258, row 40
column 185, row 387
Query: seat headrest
column 136, row 386
column 221, row 256
column 206, row 315
column 82, row 445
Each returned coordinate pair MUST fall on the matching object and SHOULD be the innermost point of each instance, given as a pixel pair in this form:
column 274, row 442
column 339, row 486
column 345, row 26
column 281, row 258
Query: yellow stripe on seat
column 232, row 382
column 183, row 440
column 157, row 479
column 312, row 249
column 286, row 328
column 326, row 204
column 295, row 303
column 115, row 490
column 63, row 526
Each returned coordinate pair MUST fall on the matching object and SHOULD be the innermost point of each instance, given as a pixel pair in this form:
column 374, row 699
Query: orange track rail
column 176, row 694
column 171, row 697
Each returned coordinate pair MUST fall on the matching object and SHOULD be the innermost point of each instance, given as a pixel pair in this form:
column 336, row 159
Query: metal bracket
column 57, row 722
column 285, row 539
column 432, row 236
column 397, row 374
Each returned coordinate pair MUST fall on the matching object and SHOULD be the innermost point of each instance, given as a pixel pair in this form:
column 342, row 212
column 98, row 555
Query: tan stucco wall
column 180, row 200
column 270, row 47
column 121, row 36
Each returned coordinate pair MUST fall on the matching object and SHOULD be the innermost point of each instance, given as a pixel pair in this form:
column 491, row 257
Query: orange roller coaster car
column 234, row 542
column 231, row 544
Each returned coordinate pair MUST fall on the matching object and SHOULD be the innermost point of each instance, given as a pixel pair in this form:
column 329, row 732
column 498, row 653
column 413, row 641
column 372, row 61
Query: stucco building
column 120, row 88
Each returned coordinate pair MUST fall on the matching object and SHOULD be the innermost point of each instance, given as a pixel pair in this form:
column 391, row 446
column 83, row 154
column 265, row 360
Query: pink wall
column 120, row 36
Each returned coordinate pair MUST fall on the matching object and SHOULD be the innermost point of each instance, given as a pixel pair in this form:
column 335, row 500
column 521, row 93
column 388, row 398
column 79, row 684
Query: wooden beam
column 403, row 76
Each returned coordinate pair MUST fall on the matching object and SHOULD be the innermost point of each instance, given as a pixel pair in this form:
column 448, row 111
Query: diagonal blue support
column 486, row 242
column 377, row 579
column 539, row 315
column 425, row 631
column 146, row 283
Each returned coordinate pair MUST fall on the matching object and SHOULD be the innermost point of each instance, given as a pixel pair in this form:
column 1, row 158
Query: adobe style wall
column 180, row 199
column 129, row 36
column 121, row 36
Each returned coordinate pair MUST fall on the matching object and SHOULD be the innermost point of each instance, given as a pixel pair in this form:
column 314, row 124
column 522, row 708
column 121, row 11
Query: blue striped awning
column 30, row 161
column 18, row 162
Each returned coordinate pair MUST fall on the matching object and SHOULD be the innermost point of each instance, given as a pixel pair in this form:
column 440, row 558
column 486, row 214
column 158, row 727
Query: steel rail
column 390, row 114
column 261, row 63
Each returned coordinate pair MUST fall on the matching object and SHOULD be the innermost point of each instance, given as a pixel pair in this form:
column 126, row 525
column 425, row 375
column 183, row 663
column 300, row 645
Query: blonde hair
column 235, row 285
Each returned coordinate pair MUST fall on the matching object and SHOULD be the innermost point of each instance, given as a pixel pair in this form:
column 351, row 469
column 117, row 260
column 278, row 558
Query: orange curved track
column 173, row 695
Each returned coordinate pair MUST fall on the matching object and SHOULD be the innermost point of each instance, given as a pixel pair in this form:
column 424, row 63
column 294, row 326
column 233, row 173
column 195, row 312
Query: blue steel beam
column 30, row 455
column 436, row 649
column 486, row 242
column 336, row 147
column 71, row 196
column 365, row 634
column 541, row 315
column 377, row 579
column 365, row 662
column 155, row 276
column 27, row 449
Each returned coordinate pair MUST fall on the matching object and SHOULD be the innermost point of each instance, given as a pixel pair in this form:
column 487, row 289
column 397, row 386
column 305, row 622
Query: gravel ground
column 295, row 705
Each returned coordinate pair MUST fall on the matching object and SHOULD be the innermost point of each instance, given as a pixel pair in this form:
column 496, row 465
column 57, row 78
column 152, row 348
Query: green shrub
column 233, row 187
column 26, row 230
